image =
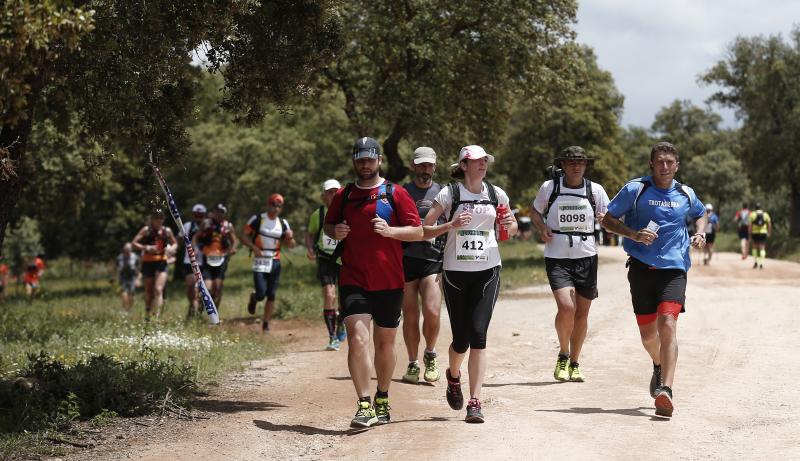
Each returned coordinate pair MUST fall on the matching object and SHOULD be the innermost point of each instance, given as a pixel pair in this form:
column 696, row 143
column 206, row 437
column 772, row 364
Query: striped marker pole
column 208, row 302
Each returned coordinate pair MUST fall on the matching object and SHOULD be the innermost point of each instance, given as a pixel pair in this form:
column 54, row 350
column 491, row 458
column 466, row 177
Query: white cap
column 198, row 208
column 424, row 155
column 331, row 184
column 472, row 153
column 709, row 207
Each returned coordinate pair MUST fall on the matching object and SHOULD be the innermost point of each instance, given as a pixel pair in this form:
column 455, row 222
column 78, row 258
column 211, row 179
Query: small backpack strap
column 553, row 196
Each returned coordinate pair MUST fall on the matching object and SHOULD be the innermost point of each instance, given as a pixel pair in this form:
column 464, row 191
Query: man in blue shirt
column 654, row 209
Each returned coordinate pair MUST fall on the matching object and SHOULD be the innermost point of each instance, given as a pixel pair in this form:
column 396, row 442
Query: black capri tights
column 470, row 299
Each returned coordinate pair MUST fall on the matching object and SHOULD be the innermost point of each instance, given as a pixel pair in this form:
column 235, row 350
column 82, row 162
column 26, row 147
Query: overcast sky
column 656, row 49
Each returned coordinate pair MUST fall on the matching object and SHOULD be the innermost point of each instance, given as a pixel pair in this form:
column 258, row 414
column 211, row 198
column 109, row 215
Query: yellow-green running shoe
column 382, row 410
column 561, row 373
column 575, row 373
column 412, row 373
column 365, row 415
column 432, row 373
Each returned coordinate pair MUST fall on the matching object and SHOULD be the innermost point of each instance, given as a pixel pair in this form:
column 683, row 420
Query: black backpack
column 759, row 221
column 455, row 193
column 348, row 189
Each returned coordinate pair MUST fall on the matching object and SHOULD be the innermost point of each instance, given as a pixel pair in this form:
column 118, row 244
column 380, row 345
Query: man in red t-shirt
column 371, row 218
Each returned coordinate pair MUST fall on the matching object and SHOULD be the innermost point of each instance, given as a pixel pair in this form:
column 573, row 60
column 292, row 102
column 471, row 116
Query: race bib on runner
column 215, row 261
column 262, row 264
column 328, row 244
column 471, row 245
column 575, row 217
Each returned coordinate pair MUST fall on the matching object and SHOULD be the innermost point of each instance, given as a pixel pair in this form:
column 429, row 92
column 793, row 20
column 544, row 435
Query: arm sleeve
column 333, row 216
column 407, row 211
column 444, row 200
column 623, row 202
column 249, row 228
column 698, row 207
column 600, row 198
column 540, row 202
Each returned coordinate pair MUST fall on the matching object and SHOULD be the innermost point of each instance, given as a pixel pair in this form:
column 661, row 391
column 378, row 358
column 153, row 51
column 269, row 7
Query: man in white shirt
column 263, row 234
column 564, row 211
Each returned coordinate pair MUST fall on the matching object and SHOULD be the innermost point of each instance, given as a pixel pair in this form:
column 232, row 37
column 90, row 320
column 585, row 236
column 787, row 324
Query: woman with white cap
column 471, row 267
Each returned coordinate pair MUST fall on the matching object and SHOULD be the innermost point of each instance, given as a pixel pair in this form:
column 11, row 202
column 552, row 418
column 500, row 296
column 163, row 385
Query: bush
column 51, row 395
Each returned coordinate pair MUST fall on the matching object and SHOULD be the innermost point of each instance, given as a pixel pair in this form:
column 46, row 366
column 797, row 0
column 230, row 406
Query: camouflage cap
column 573, row 153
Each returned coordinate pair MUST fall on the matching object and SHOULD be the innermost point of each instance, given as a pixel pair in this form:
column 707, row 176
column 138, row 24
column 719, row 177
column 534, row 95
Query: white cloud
column 657, row 49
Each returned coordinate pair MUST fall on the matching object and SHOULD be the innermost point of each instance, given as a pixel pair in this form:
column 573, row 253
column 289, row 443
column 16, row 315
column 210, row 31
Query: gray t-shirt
column 424, row 201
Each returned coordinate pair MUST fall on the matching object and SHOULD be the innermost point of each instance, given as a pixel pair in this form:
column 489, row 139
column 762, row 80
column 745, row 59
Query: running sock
column 381, row 394
column 573, row 364
column 416, row 362
column 763, row 254
column 367, row 399
column 330, row 321
column 563, row 356
column 430, row 354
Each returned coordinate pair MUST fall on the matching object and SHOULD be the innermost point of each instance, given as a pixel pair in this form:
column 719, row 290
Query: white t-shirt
column 187, row 230
column 569, row 214
column 268, row 239
column 473, row 247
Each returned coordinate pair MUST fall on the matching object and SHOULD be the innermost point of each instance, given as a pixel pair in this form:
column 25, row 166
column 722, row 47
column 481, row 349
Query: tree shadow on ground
column 531, row 384
column 310, row 430
column 235, row 406
column 394, row 380
column 617, row 411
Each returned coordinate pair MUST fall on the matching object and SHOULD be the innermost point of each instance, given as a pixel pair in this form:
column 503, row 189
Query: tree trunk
column 794, row 212
column 13, row 144
column 397, row 169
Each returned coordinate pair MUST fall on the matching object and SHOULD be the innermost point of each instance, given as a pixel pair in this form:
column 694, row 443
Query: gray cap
column 366, row 148
column 424, row 155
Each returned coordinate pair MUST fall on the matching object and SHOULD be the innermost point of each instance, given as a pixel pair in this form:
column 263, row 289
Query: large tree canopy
column 759, row 79
column 118, row 71
column 587, row 116
column 444, row 73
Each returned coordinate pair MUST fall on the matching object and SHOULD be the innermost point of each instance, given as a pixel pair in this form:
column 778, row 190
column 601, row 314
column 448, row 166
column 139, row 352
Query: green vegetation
column 74, row 354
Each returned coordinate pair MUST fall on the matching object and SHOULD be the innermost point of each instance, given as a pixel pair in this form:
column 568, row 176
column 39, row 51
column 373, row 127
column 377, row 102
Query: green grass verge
column 82, row 357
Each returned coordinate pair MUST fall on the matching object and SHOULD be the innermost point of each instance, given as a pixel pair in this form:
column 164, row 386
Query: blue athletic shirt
column 666, row 207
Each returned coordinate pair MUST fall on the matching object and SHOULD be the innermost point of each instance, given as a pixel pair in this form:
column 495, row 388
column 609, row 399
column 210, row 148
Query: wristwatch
column 701, row 234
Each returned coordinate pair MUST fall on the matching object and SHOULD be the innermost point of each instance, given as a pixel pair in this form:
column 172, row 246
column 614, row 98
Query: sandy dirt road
column 735, row 389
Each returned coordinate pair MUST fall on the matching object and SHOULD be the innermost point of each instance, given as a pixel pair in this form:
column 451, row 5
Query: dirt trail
column 734, row 390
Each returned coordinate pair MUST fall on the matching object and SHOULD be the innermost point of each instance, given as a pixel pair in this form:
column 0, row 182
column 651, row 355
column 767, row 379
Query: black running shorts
column 327, row 271
column 743, row 234
column 215, row 272
column 149, row 268
column 580, row 273
column 759, row 238
column 651, row 287
column 383, row 305
column 710, row 237
column 417, row 268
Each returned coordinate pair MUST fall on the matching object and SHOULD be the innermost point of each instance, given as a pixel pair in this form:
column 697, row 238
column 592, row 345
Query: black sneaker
column 664, row 405
column 251, row 305
column 655, row 380
column 454, row 396
column 382, row 410
column 264, row 326
column 474, row 414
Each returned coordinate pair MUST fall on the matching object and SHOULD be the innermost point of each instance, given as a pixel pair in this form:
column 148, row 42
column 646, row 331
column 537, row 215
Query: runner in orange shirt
column 154, row 240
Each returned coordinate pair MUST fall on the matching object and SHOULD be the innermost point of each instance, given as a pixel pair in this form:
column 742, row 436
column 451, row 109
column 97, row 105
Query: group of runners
column 754, row 227
column 401, row 247
column 30, row 277
column 393, row 250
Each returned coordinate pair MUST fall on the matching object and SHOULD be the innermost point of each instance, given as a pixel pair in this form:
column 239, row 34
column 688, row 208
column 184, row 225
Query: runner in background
column 712, row 226
column 471, row 280
column 190, row 229
column 742, row 220
column 264, row 233
column 422, row 268
column 154, row 240
column 4, row 270
column 217, row 238
column 565, row 212
column 127, row 271
column 30, row 278
column 320, row 248
column 760, row 229
column 370, row 217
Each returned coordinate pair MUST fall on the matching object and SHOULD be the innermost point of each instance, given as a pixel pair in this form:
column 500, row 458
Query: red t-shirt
column 371, row 261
